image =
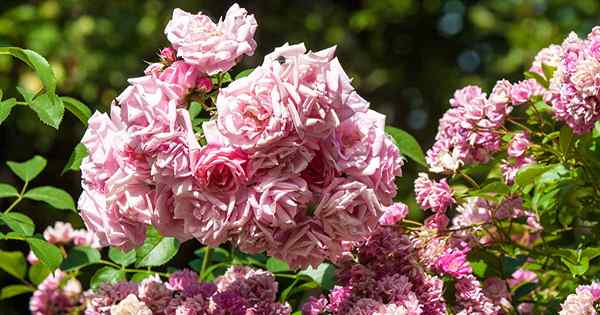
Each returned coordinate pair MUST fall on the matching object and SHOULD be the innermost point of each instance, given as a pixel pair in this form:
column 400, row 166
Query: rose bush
column 288, row 181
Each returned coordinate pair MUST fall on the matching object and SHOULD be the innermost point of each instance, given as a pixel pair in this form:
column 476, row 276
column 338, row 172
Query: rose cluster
column 241, row 290
column 294, row 161
column 575, row 86
column 582, row 302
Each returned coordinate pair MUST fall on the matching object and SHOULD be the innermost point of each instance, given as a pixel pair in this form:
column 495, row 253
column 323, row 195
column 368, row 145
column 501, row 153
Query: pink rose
column 276, row 200
column 522, row 91
column 221, row 170
column 433, row 195
column 394, row 214
column 108, row 223
column 518, row 145
column 212, row 47
column 320, row 172
column 163, row 218
column 361, row 149
column 324, row 93
column 348, row 210
column 253, row 112
column 306, row 244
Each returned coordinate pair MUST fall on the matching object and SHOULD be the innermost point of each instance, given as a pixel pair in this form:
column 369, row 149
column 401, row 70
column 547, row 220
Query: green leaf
column 80, row 256
column 287, row 291
column 479, row 267
column 195, row 109
column 548, row 71
column 13, row 263
column 529, row 174
column 139, row 276
column 324, row 275
column 14, row 290
column 27, row 95
column 77, row 108
column 244, row 73
column 47, row 253
column 577, row 269
column 275, row 265
column 53, row 196
column 37, row 273
column 108, row 275
column 120, row 257
column 566, row 137
column 591, row 252
column 156, row 250
column 538, row 77
column 497, row 187
column 7, row 191
column 49, row 108
column 6, row 107
column 36, row 62
column 19, row 223
column 407, row 145
column 28, row 170
column 74, row 162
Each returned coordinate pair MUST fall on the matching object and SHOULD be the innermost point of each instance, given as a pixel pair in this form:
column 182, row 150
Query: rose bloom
column 433, row 195
column 212, row 47
column 362, row 149
column 394, row 214
column 60, row 233
column 348, row 210
column 518, row 145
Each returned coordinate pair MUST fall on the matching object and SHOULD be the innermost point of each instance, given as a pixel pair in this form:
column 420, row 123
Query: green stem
column 205, row 260
column 19, row 198
column 469, row 179
column 284, row 275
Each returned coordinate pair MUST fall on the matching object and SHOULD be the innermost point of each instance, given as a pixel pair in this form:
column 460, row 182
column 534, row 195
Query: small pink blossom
column 433, row 195
column 519, row 144
column 394, row 214
column 60, row 233
column 522, row 91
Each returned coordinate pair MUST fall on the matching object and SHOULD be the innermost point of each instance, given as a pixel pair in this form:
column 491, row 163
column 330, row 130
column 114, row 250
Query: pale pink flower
column 581, row 303
column 549, row 56
column 60, row 233
column 473, row 212
column 394, row 214
column 50, row 298
column 518, row 145
column 433, row 195
column 496, row 289
column 86, row 238
column 522, row 91
column 511, row 168
column 212, row 47
column 521, row 276
column 32, row 258
column 219, row 170
column 130, row 306
column 348, row 210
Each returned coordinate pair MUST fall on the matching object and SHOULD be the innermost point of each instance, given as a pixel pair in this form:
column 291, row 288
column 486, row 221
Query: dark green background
column 406, row 58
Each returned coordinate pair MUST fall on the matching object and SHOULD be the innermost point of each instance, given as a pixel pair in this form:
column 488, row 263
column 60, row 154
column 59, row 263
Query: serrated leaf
column 27, row 94
column 120, row 257
column 28, row 170
column 6, row 107
column 49, row 108
column 37, row 273
column 13, row 263
column 156, row 250
column 108, row 275
column 74, row 162
column 7, row 191
column 77, row 108
column 37, row 63
column 276, row 265
column 53, row 196
column 324, row 275
column 14, row 290
column 530, row 173
column 407, row 144
column 80, row 256
column 47, row 253
column 19, row 223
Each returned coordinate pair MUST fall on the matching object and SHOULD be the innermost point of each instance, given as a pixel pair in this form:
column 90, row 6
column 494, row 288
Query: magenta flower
column 433, row 195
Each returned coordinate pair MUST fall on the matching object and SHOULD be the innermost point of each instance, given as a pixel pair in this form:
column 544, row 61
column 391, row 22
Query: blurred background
column 406, row 57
